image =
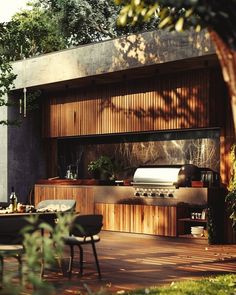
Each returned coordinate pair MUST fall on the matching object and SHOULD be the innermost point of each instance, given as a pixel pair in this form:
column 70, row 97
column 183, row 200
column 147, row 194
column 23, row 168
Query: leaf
column 188, row 13
column 165, row 21
column 179, row 25
column 143, row 11
column 130, row 13
column 136, row 2
column 27, row 228
column 151, row 11
column 198, row 28
column 45, row 226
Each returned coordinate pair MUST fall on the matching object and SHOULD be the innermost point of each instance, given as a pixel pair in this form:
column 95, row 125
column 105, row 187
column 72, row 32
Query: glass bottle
column 13, row 200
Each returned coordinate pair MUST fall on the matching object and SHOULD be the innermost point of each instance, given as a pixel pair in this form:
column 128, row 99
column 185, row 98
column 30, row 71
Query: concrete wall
column 26, row 161
column 3, row 156
column 155, row 47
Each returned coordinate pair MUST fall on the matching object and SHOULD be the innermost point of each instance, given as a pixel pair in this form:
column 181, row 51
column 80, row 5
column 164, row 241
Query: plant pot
column 104, row 175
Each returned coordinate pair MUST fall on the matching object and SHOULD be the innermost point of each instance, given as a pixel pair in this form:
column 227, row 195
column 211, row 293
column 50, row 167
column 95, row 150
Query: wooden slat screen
column 158, row 103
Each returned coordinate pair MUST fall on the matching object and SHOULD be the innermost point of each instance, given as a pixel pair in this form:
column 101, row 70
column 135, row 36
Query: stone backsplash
column 128, row 155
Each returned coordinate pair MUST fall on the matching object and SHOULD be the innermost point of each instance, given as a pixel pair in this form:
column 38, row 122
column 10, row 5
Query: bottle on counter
column 13, row 200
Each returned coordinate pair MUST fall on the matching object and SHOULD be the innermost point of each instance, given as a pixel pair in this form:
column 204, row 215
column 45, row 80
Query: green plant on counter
column 231, row 196
column 104, row 166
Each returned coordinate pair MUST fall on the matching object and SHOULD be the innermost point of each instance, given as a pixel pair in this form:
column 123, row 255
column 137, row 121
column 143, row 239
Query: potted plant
column 231, row 196
column 104, row 167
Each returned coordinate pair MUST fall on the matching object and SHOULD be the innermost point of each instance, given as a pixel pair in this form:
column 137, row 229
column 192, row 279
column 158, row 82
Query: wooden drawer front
column 157, row 220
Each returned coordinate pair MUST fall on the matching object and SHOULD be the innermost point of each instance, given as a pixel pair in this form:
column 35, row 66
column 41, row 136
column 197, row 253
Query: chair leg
column 71, row 260
column 19, row 259
column 96, row 259
column 81, row 259
column 1, row 270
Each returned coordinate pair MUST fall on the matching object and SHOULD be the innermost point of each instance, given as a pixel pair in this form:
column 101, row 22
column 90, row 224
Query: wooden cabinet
column 71, row 116
column 84, row 196
column 185, row 222
column 155, row 220
column 145, row 219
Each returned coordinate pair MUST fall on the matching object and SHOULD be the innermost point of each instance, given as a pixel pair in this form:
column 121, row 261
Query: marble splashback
column 203, row 152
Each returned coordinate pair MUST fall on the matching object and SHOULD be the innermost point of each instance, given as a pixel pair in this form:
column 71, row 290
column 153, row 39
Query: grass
column 219, row 285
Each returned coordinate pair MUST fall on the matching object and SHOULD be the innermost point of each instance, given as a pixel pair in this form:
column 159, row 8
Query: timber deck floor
column 131, row 261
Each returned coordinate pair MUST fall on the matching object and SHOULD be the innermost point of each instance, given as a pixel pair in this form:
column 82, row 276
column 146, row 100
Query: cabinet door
column 69, row 120
column 84, row 200
column 42, row 193
column 51, row 118
column 158, row 220
column 84, row 196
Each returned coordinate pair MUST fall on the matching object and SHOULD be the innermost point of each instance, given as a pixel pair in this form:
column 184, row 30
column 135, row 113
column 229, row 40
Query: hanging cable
column 20, row 101
column 25, row 101
column 24, row 89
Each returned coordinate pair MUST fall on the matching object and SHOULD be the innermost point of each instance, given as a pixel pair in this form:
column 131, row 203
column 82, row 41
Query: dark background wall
column 26, row 156
column 200, row 147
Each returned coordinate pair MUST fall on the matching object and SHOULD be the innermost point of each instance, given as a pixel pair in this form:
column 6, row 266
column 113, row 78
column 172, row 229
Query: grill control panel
column 155, row 192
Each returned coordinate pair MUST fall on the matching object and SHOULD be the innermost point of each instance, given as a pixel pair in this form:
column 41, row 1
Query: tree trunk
column 227, row 58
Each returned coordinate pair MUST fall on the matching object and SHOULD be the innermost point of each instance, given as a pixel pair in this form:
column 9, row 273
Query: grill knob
column 145, row 194
column 153, row 194
column 162, row 195
column 137, row 194
column 170, row 195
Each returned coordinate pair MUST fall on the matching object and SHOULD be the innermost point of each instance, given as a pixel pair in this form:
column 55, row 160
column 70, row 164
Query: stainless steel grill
column 158, row 181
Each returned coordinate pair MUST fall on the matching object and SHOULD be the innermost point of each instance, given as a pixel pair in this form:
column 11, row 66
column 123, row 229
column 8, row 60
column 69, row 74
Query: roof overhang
column 113, row 59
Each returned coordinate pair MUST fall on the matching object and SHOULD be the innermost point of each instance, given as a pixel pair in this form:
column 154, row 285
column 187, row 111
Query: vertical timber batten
column 160, row 103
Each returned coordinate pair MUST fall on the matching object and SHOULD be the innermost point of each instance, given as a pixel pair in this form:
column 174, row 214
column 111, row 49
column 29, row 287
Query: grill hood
column 167, row 175
column 157, row 175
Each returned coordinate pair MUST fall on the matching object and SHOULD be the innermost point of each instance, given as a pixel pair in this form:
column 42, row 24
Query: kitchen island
column 124, row 212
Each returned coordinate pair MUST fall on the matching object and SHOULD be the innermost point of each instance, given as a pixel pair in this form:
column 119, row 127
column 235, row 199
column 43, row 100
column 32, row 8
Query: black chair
column 11, row 241
column 84, row 230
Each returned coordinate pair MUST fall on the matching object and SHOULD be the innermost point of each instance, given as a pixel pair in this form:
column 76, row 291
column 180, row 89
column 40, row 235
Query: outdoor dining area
column 39, row 222
column 91, row 235
column 131, row 261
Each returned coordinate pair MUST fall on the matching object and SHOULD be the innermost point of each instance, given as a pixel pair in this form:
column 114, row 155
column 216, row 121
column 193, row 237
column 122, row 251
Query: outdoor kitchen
column 118, row 151
column 176, row 173
column 137, row 118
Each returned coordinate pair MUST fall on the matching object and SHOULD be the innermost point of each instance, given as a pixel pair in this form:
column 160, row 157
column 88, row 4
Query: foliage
column 51, row 25
column 47, row 248
column 209, row 286
column 231, row 196
column 232, row 182
column 6, row 77
column 86, row 21
column 103, row 164
column 182, row 14
column 211, row 226
column 32, row 32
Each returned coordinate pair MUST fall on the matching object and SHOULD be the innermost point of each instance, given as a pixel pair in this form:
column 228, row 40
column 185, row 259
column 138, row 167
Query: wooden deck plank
column 130, row 261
